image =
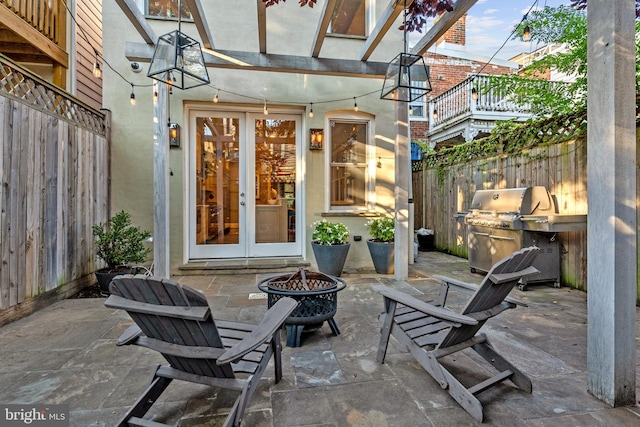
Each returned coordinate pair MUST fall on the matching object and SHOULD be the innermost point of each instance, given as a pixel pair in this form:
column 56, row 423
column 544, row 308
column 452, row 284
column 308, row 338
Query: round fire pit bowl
column 317, row 294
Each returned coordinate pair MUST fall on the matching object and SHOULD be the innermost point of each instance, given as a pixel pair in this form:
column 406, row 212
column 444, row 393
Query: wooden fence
column 54, row 176
column 441, row 193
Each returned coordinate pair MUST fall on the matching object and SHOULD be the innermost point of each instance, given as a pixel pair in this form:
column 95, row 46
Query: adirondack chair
column 176, row 321
column 431, row 331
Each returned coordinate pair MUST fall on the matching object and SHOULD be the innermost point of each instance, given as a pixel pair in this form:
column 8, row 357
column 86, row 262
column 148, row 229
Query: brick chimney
column 457, row 34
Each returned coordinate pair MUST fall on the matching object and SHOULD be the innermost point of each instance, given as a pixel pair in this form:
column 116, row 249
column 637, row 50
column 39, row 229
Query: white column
column 402, row 173
column 161, row 182
column 612, row 250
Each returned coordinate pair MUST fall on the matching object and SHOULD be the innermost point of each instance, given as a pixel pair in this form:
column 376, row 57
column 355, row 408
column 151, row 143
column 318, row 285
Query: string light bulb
column 311, row 111
column 411, row 110
column 216, row 98
column 474, row 94
column 355, row 104
column 435, row 114
column 133, row 96
column 266, row 110
column 155, row 96
column 526, row 34
column 97, row 72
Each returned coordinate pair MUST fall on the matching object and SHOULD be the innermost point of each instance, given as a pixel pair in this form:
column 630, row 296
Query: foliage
column 582, row 4
column 509, row 137
column 119, row 243
column 382, row 229
column 309, row 3
column 328, row 233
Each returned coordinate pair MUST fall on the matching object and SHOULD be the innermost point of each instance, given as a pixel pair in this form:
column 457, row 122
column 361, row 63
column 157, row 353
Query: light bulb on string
column 97, row 71
column 474, row 94
column 216, row 98
column 355, row 104
column 265, row 110
column 155, row 96
column 526, row 34
column 435, row 114
column 411, row 110
column 311, row 111
column 133, row 96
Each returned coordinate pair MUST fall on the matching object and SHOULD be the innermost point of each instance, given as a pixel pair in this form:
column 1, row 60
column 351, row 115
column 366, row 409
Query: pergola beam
column 138, row 21
column 389, row 16
column 323, row 25
column 199, row 19
column 262, row 26
column 255, row 61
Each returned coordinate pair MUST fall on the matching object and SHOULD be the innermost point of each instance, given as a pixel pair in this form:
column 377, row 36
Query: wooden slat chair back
column 430, row 331
column 177, row 322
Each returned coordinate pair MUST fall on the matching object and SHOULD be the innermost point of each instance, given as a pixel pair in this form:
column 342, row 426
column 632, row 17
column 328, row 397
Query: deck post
column 161, row 182
column 403, row 180
column 612, row 226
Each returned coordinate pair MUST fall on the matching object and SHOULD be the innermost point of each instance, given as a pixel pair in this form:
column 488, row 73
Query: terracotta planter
column 331, row 258
column 382, row 256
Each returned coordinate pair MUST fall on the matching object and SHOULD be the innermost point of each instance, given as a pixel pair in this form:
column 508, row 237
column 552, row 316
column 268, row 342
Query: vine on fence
column 509, row 137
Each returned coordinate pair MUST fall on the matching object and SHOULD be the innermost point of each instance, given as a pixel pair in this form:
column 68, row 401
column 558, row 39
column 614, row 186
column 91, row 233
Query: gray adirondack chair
column 431, row 331
column 177, row 322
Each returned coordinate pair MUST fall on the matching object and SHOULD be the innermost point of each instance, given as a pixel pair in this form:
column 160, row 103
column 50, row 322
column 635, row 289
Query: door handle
column 241, row 203
column 241, row 194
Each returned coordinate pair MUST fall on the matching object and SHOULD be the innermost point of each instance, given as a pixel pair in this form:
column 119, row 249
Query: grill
column 317, row 295
column 506, row 220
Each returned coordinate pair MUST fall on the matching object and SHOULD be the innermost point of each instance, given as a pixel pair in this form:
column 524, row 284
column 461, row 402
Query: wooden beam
column 388, row 17
column 197, row 13
column 460, row 7
column 255, row 61
column 262, row 26
column 138, row 20
column 323, row 25
column 33, row 36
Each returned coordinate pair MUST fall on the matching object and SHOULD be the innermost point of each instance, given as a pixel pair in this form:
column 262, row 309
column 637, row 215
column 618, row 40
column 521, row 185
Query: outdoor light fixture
column 407, row 77
column 178, row 59
column 174, row 135
column 474, row 94
column 526, row 34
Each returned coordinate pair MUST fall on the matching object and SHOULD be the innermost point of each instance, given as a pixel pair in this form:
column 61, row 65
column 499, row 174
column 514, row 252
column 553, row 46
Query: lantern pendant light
column 178, row 60
column 407, row 77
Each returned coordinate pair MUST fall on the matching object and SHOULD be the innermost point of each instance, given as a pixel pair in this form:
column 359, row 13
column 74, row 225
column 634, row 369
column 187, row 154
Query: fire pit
column 317, row 294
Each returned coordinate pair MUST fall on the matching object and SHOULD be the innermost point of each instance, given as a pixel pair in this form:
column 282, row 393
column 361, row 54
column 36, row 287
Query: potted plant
column 330, row 243
column 119, row 244
column 381, row 245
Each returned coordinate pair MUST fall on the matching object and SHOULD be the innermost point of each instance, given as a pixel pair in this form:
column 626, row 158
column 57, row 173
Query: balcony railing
column 48, row 17
column 456, row 113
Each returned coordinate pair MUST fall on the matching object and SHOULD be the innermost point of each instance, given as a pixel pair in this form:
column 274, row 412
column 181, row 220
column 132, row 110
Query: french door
column 244, row 185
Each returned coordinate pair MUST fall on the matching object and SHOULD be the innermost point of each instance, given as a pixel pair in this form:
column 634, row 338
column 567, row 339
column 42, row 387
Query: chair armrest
column 130, row 335
column 423, row 307
column 200, row 313
column 471, row 288
column 271, row 322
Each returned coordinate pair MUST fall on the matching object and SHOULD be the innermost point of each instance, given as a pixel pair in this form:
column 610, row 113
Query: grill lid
column 519, row 201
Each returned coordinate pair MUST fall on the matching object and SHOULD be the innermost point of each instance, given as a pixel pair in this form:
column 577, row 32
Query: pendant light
column 178, row 59
column 407, row 77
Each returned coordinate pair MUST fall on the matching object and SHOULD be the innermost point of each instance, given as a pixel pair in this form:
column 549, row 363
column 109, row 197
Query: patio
column 66, row 353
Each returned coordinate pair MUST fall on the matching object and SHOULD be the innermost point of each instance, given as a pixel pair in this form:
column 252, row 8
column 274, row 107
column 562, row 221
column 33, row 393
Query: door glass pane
column 217, row 184
column 275, row 180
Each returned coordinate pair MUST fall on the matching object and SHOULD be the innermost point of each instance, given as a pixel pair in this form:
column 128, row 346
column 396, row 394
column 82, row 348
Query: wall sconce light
column 316, row 137
column 174, row 135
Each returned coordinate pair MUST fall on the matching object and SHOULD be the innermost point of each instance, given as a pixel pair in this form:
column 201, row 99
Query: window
column 349, row 178
column 349, row 18
column 166, row 9
column 419, row 106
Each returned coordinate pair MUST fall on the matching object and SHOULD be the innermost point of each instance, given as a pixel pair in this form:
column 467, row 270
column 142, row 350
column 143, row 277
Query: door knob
column 241, row 194
column 241, row 203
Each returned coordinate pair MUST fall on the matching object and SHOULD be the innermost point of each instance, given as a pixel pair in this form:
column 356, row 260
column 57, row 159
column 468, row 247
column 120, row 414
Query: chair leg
column 501, row 364
column 385, row 333
column 148, row 398
column 277, row 355
column 464, row 397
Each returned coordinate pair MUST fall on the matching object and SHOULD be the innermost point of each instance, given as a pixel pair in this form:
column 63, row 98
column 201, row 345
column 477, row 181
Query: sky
column 490, row 22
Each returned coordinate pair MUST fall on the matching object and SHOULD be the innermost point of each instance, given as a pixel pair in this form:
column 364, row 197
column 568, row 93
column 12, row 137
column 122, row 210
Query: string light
column 133, row 96
column 311, row 111
column 435, row 114
column 411, row 110
column 97, row 72
column 526, row 34
column 265, row 110
column 474, row 94
column 215, row 98
column 155, row 96
column 355, row 104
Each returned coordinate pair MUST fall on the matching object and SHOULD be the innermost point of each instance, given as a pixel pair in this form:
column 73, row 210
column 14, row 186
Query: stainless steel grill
column 505, row 220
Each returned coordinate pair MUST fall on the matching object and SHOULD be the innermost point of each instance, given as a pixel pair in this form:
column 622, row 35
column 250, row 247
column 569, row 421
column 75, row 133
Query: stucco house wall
column 290, row 30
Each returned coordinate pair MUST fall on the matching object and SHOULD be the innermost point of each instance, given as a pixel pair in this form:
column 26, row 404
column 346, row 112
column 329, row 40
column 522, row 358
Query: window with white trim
column 418, row 108
column 349, row 18
column 350, row 181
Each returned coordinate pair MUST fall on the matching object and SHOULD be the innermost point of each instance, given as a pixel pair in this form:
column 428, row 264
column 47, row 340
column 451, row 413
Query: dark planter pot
column 105, row 276
column 382, row 256
column 330, row 258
